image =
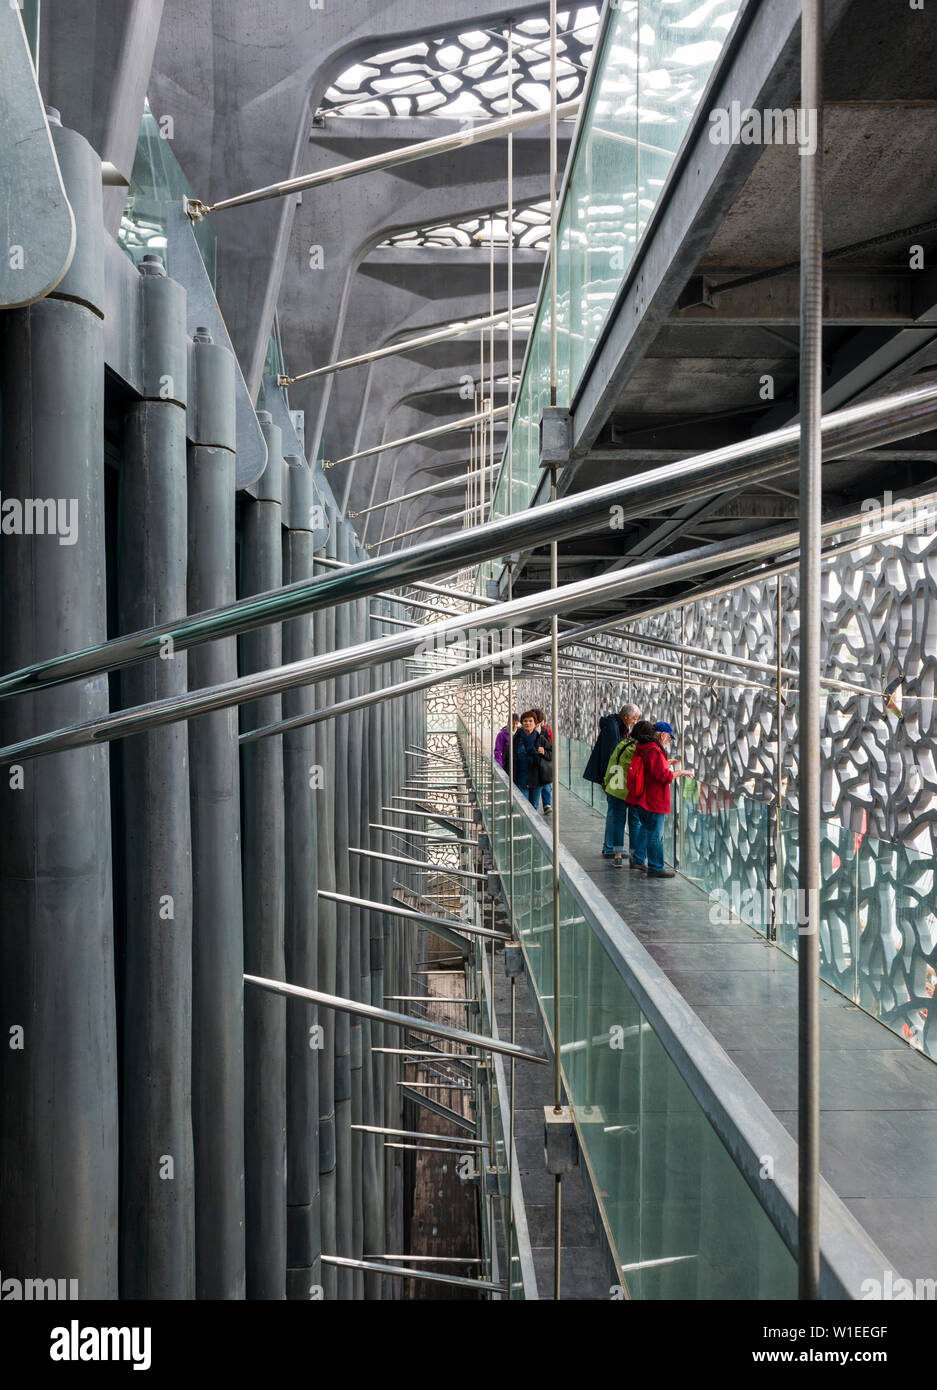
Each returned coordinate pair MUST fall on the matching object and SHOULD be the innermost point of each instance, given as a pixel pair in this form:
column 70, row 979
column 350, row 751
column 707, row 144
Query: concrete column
column 157, row 1229
column 58, row 1089
column 264, row 871
column 303, row 793
column 214, row 781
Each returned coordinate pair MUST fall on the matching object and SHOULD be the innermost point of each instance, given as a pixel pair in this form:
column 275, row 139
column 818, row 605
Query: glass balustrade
column 652, row 63
column 157, row 179
column 681, row 1220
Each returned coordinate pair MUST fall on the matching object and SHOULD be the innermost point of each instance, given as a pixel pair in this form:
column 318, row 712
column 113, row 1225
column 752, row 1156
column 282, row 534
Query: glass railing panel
column 683, row 1221
column 724, row 844
column 878, row 900
column 440, row 722
column 675, row 1205
column 679, row 42
column 698, row 1232
column 561, row 760
column 156, row 180
column 602, row 189
column 896, row 890
column 838, row 900
column 680, row 1217
column 652, row 65
column 273, row 366
column 564, row 304
column 575, row 756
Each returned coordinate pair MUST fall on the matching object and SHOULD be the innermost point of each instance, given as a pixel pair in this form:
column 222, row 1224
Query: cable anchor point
column 195, row 209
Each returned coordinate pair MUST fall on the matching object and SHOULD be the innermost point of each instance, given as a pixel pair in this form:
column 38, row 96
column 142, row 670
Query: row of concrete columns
column 163, row 1132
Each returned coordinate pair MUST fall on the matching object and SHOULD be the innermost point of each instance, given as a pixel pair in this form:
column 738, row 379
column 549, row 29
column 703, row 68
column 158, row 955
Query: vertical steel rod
column 511, row 1167
column 492, row 830
column 326, row 947
column 595, row 710
column 811, row 462
column 554, row 250
column 509, row 501
column 779, row 769
column 491, row 367
column 554, row 667
column 678, row 799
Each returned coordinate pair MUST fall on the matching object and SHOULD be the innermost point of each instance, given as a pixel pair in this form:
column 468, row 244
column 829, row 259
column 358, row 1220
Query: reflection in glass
column 651, row 70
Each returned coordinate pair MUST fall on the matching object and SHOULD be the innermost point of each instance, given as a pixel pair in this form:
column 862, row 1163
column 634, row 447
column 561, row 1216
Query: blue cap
column 662, row 727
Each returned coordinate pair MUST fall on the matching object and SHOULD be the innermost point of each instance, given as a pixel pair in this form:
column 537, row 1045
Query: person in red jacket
column 649, row 777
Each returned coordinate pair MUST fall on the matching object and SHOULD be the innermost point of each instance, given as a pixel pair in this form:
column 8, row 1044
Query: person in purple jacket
column 503, row 742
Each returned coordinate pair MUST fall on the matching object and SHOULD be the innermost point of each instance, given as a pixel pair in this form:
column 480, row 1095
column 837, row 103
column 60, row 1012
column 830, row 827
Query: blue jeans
column 547, row 795
column 533, row 795
column 648, row 843
column 618, row 815
column 616, row 818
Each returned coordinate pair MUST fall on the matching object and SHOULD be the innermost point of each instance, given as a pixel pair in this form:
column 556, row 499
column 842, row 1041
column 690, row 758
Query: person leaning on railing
column 649, row 777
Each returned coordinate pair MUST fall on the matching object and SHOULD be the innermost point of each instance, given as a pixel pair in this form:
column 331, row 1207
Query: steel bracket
column 513, row 962
column 556, row 436
column 560, row 1145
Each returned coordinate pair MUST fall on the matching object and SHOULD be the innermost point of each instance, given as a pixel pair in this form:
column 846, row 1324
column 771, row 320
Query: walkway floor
column 878, row 1096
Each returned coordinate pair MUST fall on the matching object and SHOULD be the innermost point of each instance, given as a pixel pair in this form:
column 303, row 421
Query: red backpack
column 636, row 781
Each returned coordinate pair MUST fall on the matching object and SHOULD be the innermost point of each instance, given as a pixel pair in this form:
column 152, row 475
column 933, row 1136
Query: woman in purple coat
column 503, row 742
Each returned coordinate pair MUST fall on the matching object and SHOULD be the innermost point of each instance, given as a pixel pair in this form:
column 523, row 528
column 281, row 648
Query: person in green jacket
column 616, row 790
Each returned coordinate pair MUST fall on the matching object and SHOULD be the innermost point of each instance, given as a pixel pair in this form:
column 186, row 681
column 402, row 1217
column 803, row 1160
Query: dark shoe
column 547, row 810
column 661, row 873
column 617, row 861
column 608, row 854
column 635, row 865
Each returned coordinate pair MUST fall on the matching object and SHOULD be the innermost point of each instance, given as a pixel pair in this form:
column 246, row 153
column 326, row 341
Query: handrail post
column 811, row 464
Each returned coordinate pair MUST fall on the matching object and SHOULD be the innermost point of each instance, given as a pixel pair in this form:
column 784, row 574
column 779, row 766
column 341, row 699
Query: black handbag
column 545, row 764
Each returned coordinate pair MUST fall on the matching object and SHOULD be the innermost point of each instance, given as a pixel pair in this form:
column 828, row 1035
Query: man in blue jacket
column 612, row 729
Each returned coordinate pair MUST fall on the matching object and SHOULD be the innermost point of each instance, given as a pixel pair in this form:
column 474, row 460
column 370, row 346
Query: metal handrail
column 389, row 159
column 378, row 651
column 868, row 424
column 418, row 1025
